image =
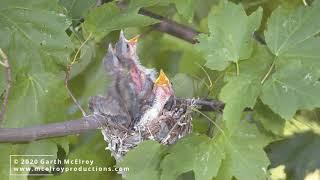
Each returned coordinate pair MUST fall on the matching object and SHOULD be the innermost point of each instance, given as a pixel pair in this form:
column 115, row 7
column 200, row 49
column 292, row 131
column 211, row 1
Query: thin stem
column 269, row 71
column 3, row 64
column 237, row 68
column 210, row 82
column 75, row 56
column 66, row 80
column 6, row 64
column 212, row 121
column 68, row 72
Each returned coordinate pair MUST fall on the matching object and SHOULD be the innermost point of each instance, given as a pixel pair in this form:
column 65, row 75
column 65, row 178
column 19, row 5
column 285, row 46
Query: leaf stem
column 237, row 68
column 75, row 56
column 3, row 64
column 211, row 120
column 5, row 59
column 68, row 72
column 269, row 72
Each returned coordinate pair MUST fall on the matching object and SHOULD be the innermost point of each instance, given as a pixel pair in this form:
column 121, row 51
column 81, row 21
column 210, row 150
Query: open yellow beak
column 162, row 79
column 134, row 40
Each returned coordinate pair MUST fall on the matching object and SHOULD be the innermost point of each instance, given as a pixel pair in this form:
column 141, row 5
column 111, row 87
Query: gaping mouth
column 134, row 40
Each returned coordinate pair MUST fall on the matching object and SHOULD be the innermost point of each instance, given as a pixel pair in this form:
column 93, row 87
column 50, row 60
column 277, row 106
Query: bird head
column 162, row 83
column 127, row 48
column 111, row 62
column 133, row 42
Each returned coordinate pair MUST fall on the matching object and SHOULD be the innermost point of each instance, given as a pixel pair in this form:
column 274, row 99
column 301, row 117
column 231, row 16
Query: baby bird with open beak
column 162, row 92
column 143, row 77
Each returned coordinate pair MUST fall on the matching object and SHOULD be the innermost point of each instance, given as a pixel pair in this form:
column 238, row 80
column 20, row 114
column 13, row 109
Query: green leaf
column 143, row 161
column 92, row 80
column 36, row 98
column 108, row 17
column 245, row 158
column 92, row 148
column 183, row 85
column 290, row 33
column 86, row 55
column 294, row 86
column 33, row 34
column 77, row 9
column 254, row 67
column 299, row 154
column 230, row 37
column 34, row 148
column 145, row 3
column 199, row 153
column 185, row 8
column 240, row 92
column 270, row 120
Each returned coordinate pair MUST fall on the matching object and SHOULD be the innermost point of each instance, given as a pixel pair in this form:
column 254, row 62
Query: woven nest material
column 170, row 126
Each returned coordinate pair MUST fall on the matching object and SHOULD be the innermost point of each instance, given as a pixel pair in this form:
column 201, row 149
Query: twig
column 68, row 72
column 6, row 65
column 66, row 80
column 205, row 105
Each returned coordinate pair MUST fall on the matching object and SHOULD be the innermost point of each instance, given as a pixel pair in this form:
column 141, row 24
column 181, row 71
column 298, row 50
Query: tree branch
column 174, row 28
column 7, row 67
column 166, row 25
column 78, row 126
column 182, row 31
column 170, row 27
column 50, row 130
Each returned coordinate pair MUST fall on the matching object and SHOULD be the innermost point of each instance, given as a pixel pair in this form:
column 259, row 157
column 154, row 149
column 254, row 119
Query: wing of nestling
column 109, row 107
column 128, row 94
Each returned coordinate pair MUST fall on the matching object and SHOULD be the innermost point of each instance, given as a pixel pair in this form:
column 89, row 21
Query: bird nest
column 172, row 124
column 138, row 106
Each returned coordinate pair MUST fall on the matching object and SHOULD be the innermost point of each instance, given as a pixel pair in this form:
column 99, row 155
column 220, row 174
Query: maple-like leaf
column 230, row 38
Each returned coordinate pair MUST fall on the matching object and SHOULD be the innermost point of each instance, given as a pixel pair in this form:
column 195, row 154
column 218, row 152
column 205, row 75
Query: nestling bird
column 111, row 106
column 162, row 92
column 165, row 125
column 135, row 102
column 143, row 78
column 128, row 49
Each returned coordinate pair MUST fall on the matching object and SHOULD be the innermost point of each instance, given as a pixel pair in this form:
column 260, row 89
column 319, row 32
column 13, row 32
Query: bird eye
column 128, row 46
